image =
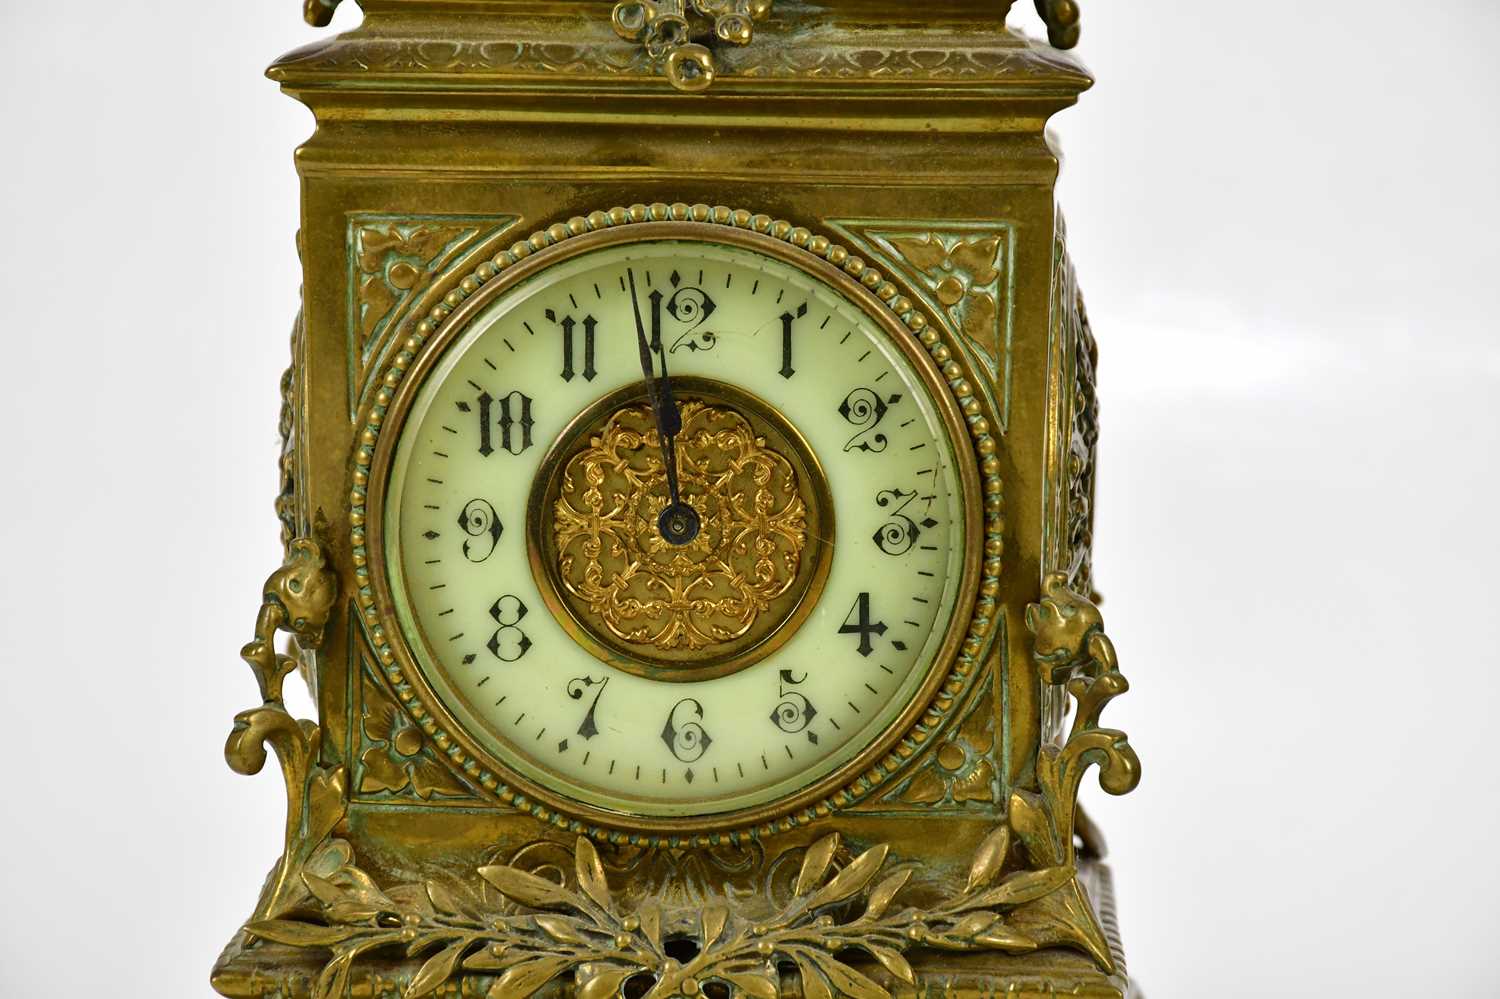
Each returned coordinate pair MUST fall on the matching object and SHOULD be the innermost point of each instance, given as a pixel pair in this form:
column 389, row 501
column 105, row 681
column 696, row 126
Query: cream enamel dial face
column 643, row 676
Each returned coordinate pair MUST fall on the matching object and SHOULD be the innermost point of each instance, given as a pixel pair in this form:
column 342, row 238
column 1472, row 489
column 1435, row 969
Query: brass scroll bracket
column 297, row 598
column 675, row 32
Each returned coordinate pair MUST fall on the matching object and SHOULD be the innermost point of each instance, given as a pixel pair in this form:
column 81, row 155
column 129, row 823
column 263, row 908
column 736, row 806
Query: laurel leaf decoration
column 815, row 864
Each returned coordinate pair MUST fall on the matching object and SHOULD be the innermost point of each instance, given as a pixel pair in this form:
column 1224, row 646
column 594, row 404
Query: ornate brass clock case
column 562, row 611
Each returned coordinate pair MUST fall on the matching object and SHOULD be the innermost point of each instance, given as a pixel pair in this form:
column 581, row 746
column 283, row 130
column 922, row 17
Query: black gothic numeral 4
column 858, row 623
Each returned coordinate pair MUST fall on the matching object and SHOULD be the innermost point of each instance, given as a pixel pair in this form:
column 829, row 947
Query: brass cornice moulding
column 692, row 43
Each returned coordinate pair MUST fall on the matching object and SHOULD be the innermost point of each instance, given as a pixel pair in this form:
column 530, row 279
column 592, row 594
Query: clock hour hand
column 679, row 522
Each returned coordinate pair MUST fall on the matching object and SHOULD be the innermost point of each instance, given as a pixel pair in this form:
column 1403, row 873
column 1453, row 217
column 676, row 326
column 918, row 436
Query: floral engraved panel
column 962, row 775
column 963, row 272
column 394, row 761
column 395, row 262
column 1071, row 489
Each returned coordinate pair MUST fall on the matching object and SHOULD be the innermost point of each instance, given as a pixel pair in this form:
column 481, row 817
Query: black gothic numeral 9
column 480, row 522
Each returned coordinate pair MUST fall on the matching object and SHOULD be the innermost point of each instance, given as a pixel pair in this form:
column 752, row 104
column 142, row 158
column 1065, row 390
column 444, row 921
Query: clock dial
column 548, row 602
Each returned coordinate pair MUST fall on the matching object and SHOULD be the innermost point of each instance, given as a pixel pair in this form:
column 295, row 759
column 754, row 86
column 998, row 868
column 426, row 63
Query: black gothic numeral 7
column 858, row 623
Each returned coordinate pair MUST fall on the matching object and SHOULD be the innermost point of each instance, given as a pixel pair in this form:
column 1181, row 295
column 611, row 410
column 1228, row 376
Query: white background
column 1286, row 226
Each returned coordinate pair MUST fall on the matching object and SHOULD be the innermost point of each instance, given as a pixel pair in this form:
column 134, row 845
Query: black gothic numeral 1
column 858, row 623
column 787, row 319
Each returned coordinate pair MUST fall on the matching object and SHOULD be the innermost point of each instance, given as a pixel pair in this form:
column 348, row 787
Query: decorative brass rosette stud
column 675, row 31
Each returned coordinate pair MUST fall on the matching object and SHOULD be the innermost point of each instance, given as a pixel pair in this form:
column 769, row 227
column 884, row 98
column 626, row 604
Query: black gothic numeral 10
column 513, row 421
column 509, row 643
column 858, row 623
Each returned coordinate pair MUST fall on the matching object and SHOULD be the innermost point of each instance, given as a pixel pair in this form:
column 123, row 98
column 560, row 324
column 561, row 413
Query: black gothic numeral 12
column 858, row 623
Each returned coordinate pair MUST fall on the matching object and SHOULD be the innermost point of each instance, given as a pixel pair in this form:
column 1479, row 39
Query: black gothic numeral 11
column 569, row 325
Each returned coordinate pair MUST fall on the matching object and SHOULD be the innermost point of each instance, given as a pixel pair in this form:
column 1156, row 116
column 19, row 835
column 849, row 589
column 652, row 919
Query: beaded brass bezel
column 974, row 621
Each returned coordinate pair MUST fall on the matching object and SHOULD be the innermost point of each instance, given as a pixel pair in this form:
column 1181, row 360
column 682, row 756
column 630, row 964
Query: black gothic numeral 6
column 684, row 733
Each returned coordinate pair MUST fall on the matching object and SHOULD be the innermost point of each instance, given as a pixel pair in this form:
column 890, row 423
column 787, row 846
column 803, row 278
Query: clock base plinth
column 262, row 970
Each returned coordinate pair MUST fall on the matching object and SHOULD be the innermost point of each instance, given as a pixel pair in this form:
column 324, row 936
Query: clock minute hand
column 679, row 522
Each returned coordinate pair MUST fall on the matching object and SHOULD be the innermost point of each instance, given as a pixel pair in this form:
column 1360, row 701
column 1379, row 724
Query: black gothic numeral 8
column 509, row 643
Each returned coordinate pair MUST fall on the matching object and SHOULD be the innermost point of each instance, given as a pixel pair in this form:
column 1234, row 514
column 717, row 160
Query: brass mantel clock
column 686, row 492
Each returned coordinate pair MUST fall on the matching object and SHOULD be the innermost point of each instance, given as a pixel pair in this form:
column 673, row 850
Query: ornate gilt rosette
column 699, row 610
